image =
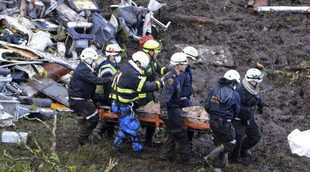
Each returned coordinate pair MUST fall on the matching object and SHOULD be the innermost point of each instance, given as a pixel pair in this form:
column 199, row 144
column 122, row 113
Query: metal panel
column 52, row 89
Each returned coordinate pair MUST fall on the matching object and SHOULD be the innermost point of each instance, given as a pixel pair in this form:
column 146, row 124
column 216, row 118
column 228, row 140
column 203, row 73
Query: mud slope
column 278, row 41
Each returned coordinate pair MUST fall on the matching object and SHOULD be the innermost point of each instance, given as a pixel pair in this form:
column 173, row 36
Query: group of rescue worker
column 126, row 85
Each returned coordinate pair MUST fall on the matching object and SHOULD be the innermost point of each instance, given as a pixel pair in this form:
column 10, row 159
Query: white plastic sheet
column 5, row 118
column 154, row 5
column 299, row 142
column 40, row 41
column 13, row 137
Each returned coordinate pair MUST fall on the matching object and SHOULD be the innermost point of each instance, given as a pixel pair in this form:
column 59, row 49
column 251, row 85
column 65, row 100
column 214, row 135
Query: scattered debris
column 5, row 118
column 10, row 105
column 40, row 43
column 52, row 89
column 299, row 142
column 14, row 137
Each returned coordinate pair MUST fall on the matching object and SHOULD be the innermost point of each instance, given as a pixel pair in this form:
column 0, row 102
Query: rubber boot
column 119, row 140
column 97, row 134
column 223, row 159
column 213, row 155
column 246, row 153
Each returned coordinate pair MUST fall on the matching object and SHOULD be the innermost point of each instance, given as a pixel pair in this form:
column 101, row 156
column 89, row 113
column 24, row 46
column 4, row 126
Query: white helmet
column 191, row 52
column 89, row 55
column 255, row 75
column 178, row 59
column 113, row 49
column 141, row 57
column 232, row 75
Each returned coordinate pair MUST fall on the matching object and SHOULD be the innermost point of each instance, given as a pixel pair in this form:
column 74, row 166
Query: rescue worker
column 107, row 68
column 171, row 112
column 82, row 96
column 151, row 48
column 128, row 87
column 223, row 104
column 248, row 132
column 186, row 79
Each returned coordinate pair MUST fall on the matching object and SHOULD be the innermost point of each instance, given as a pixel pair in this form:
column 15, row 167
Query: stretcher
column 154, row 119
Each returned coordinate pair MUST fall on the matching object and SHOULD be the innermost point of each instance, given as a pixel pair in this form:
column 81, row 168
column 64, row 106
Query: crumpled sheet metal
column 10, row 105
column 15, row 22
column 68, row 14
column 33, row 54
column 52, row 89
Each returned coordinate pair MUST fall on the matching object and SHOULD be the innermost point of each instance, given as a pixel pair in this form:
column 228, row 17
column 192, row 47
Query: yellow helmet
column 151, row 45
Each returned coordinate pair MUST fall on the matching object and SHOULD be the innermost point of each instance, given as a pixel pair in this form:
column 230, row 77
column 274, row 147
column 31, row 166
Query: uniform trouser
column 223, row 133
column 247, row 136
column 187, row 103
column 129, row 125
column 176, row 133
column 83, row 109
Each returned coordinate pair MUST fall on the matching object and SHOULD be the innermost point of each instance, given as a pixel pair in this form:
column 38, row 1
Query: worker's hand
column 42, row 72
column 97, row 105
column 163, row 115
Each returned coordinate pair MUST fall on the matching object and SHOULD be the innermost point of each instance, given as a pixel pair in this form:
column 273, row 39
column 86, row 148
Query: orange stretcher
column 154, row 119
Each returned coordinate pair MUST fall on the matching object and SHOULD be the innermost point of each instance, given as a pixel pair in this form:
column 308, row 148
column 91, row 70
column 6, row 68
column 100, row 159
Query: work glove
column 163, row 115
column 97, row 105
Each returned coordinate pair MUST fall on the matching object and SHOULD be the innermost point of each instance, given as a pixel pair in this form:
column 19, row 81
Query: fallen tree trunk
column 293, row 9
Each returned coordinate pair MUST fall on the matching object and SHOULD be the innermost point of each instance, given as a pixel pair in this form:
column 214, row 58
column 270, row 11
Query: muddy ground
column 278, row 41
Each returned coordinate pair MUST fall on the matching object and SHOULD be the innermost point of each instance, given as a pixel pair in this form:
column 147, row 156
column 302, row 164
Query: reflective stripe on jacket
column 130, row 86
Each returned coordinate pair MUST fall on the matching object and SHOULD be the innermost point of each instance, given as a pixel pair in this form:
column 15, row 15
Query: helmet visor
column 185, row 62
column 256, row 78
